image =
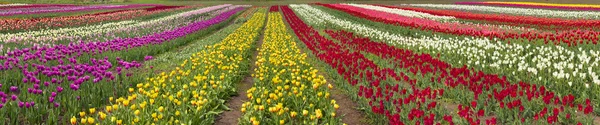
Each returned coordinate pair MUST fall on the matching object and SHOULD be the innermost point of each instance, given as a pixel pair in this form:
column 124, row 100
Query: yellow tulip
column 73, row 120
column 83, row 121
column 90, row 120
column 293, row 114
column 126, row 103
column 108, row 108
column 81, row 114
column 161, row 109
column 318, row 113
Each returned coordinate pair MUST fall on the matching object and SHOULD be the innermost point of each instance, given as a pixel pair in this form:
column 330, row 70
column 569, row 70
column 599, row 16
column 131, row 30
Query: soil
column 348, row 109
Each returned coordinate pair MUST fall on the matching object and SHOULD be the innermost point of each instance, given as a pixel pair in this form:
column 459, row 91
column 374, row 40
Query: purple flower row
column 77, row 73
column 53, row 9
column 50, row 38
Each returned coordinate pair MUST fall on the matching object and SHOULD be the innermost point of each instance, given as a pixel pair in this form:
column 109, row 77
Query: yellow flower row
column 287, row 90
column 193, row 92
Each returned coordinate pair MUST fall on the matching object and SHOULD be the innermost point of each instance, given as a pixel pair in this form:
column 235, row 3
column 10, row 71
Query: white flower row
column 516, row 11
column 401, row 12
column 65, row 33
column 521, row 61
column 12, row 4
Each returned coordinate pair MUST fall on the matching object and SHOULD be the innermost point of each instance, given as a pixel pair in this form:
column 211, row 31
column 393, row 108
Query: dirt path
column 235, row 103
column 348, row 108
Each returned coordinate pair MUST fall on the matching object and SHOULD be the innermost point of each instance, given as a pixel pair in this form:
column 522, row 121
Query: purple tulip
column 27, row 104
column 74, row 87
column 14, row 88
column 36, row 86
column 1, row 105
column 50, row 99
column 59, row 89
column 4, row 100
column 46, row 84
column 13, row 97
column 53, row 94
column 78, row 98
column 56, row 104
column 147, row 58
column 54, row 80
column 21, row 104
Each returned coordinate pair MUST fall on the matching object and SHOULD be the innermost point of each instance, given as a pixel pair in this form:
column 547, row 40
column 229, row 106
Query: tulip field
column 460, row 63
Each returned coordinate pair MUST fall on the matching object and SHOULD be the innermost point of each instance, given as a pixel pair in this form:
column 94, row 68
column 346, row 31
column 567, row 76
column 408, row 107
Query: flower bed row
column 192, row 93
column 58, row 9
column 512, row 19
column 87, row 19
column 570, row 38
column 581, row 7
column 516, row 11
column 106, row 31
column 534, row 64
column 416, row 105
column 286, row 90
column 58, row 67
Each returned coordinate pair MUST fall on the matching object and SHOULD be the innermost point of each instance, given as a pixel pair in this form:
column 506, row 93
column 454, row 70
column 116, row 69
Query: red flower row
column 497, row 89
column 274, row 9
column 570, row 37
column 385, row 99
column 390, row 100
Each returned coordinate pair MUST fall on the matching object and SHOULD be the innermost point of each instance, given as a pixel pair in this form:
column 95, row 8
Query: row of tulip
column 106, row 31
column 580, row 7
column 12, row 4
column 510, row 19
column 411, row 105
column 444, row 19
column 13, row 25
column 34, row 6
column 516, row 11
column 467, row 87
column 570, row 37
column 191, row 93
column 81, row 70
column 167, row 60
column 24, row 11
column 352, row 65
column 560, row 69
column 287, row 89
